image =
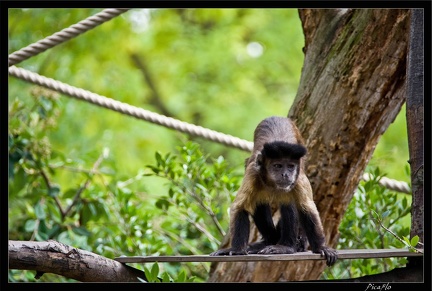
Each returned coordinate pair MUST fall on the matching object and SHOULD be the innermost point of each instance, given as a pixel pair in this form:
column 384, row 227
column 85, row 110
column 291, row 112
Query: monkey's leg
column 288, row 229
column 302, row 242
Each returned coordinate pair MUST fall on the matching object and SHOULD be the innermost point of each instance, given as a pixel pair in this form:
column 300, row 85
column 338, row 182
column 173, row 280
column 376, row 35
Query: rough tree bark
column 57, row 258
column 415, row 124
column 351, row 89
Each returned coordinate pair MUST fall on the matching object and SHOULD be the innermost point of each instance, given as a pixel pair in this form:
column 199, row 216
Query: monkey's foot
column 228, row 252
column 254, row 248
column 277, row 249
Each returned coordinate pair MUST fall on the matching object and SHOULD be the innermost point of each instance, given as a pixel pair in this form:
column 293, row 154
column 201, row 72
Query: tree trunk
column 415, row 124
column 351, row 89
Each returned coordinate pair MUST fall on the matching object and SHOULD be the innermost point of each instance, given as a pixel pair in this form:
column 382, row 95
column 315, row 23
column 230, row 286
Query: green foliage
column 101, row 213
column 196, row 188
column 192, row 216
column 411, row 244
column 29, row 153
column 152, row 276
column 361, row 228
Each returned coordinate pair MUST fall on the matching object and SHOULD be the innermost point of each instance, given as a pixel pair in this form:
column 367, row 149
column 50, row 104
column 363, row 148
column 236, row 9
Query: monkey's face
column 282, row 173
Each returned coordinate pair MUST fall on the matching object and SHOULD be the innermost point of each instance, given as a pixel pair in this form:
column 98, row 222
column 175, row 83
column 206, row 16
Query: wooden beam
column 342, row 254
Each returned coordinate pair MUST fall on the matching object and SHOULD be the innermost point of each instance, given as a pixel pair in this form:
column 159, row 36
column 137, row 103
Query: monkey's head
column 279, row 164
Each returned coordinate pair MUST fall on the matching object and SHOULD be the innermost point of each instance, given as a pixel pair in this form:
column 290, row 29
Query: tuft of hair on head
column 282, row 149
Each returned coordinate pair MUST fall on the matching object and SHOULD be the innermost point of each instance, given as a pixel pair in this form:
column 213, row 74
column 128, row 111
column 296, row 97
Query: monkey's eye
column 291, row 166
column 277, row 166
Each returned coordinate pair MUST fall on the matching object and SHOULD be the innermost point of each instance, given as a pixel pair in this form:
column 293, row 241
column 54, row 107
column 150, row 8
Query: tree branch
column 155, row 98
column 86, row 184
column 54, row 257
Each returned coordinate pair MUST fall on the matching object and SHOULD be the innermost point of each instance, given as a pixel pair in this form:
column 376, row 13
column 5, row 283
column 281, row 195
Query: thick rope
column 391, row 184
column 131, row 110
column 64, row 35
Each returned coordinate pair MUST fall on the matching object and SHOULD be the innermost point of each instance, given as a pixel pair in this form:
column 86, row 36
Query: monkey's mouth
column 285, row 186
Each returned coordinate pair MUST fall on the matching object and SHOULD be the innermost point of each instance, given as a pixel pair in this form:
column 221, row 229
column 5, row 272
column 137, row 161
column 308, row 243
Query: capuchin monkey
column 274, row 175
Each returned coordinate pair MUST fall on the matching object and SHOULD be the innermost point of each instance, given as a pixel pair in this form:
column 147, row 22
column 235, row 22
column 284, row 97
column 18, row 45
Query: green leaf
column 159, row 160
column 415, row 240
column 386, row 213
column 54, row 190
column 82, row 231
column 43, row 230
column 40, row 236
column 155, row 271
column 40, row 212
column 30, row 225
column 171, row 193
column 181, row 277
column 70, row 193
column 18, row 182
column 165, row 277
column 54, row 230
column 148, row 275
column 46, row 104
column 404, row 203
column 155, row 170
column 162, row 204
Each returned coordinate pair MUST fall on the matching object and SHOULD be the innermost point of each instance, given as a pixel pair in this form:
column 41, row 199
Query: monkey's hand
column 277, row 249
column 228, row 252
column 329, row 253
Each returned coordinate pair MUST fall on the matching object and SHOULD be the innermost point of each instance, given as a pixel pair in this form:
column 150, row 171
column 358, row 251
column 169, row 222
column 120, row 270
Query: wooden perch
column 57, row 258
column 343, row 254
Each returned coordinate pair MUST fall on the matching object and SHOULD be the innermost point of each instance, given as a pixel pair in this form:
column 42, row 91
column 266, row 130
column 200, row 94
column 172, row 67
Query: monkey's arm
column 310, row 220
column 311, row 223
column 243, row 204
column 239, row 235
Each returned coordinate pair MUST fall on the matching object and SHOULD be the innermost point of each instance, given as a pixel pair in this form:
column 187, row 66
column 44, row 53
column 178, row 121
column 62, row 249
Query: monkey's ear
column 259, row 160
